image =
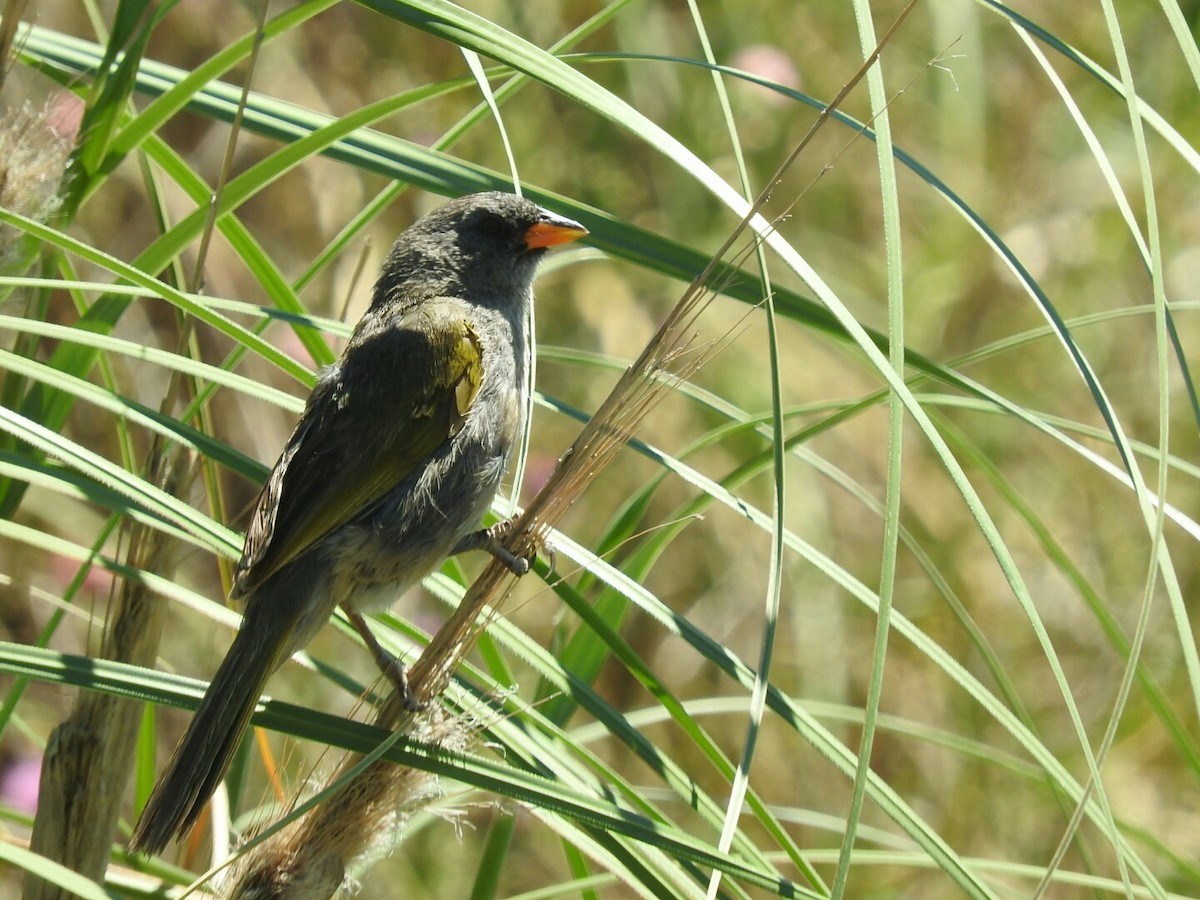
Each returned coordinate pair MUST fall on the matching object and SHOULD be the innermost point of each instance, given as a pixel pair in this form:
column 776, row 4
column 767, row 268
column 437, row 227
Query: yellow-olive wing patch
column 403, row 388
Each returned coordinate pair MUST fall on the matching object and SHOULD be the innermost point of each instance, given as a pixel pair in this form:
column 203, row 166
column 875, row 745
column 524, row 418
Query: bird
column 397, row 456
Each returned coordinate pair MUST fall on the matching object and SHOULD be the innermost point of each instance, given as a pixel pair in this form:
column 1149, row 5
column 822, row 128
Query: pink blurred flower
column 19, row 783
column 771, row 64
column 65, row 116
column 97, row 581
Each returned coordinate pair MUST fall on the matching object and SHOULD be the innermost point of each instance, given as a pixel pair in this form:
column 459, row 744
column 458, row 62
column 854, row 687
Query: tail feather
column 207, row 747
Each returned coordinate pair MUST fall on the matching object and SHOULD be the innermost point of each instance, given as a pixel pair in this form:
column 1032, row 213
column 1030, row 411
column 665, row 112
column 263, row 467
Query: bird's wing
column 395, row 397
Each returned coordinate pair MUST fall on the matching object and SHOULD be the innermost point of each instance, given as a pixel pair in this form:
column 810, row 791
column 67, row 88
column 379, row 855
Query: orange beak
column 550, row 230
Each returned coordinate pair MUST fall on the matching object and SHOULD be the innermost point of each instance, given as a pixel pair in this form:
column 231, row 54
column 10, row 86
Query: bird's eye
column 492, row 226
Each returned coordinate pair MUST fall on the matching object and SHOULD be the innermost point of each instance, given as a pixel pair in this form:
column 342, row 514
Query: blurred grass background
column 969, row 101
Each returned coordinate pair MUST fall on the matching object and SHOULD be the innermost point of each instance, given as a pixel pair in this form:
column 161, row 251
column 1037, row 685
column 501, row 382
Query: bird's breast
column 418, row 524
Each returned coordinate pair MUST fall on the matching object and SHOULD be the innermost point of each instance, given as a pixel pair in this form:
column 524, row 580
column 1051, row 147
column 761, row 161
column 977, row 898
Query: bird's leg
column 391, row 666
column 489, row 539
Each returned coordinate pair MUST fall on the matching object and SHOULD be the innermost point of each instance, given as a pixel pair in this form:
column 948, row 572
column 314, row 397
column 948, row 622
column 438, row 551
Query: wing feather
column 404, row 386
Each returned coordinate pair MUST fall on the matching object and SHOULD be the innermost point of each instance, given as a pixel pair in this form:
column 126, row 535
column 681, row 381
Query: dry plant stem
column 13, row 11
column 90, row 755
column 309, row 859
column 196, row 282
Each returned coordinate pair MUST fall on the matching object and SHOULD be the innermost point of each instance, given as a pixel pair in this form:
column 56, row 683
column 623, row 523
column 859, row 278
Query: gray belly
column 375, row 558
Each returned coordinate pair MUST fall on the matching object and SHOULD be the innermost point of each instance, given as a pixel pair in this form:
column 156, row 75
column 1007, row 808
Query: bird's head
column 479, row 246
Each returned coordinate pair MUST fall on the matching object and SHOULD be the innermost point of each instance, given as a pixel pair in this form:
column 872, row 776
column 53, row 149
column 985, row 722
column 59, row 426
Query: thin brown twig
column 196, row 282
column 11, row 21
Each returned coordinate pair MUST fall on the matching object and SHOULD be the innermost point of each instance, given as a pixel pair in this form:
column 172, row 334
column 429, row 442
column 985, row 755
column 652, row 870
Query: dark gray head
column 483, row 247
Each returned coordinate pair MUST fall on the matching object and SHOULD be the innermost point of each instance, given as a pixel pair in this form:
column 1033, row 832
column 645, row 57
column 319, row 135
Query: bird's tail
column 207, row 747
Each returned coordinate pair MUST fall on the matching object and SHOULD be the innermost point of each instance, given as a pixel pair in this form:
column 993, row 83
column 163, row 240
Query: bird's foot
column 490, row 539
column 389, row 664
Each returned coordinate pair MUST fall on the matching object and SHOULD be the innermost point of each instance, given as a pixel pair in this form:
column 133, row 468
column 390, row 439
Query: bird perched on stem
column 398, row 454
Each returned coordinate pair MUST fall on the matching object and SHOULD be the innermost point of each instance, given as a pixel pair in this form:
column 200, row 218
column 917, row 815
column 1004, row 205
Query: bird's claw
column 492, row 540
column 389, row 665
column 397, row 673
column 518, row 565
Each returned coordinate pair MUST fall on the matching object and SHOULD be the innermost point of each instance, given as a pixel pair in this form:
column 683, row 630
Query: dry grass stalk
column 308, row 858
column 90, row 754
column 10, row 20
column 33, row 157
